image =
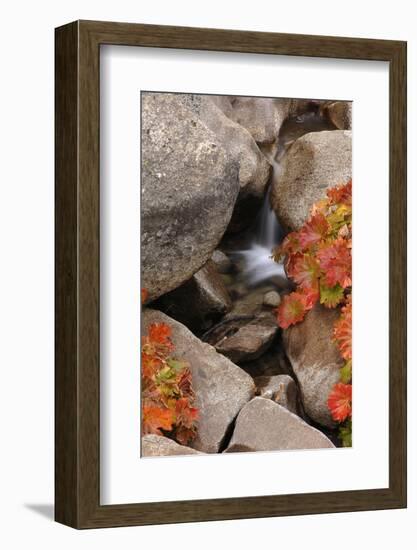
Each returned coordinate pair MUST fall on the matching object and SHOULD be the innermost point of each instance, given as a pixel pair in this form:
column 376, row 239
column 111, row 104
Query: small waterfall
column 258, row 265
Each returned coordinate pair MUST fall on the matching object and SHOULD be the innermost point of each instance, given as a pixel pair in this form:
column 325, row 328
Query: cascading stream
column 258, row 264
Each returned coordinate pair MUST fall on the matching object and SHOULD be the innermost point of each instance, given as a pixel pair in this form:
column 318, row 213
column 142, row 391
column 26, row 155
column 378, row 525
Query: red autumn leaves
column 340, row 398
column 343, row 331
column 318, row 258
column 167, row 393
column 340, row 401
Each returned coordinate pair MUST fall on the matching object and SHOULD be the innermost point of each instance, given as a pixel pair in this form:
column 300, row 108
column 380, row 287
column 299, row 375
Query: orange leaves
column 293, row 308
column 155, row 419
column 318, row 258
column 160, row 333
column 341, row 194
column 144, row 295
column 314, row 231
column 340, row 402
column 335, row 261
column 167, row 393
column 306, row 272
column 343, row 331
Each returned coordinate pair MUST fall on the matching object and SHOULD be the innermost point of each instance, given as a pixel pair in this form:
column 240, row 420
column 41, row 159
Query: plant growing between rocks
column 167, row 392
column 318, row 258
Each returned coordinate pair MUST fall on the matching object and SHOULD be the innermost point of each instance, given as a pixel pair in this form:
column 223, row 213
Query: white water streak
column 258, row 263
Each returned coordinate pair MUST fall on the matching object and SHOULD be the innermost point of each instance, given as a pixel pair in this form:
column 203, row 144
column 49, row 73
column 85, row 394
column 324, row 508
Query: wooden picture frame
column 77, row 405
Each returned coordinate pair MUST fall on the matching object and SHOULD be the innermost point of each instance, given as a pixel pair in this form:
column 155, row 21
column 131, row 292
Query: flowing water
column 258, row 265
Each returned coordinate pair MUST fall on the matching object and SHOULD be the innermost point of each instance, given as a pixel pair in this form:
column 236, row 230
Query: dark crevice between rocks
column 328, row 432
column 228, row 435
column 300, row 406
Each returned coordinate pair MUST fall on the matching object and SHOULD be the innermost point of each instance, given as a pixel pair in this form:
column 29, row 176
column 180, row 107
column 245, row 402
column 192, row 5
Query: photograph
column 245, row 274
column 210, row 236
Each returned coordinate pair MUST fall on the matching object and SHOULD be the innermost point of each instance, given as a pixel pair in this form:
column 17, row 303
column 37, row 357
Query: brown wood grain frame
column 77, row 186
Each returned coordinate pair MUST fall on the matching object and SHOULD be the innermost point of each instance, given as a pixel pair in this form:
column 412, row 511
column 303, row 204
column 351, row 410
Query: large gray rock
column 340, row 114
column 261, row 116
column 315, row 359
column 157, row 445
column 281, row 388
column 198, row 302
column 221, row 388
column 254, row 169
column 313, row 163
column 189, row 188
column 263, row 425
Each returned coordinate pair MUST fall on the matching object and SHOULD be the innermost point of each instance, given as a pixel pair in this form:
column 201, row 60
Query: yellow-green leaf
column 330, row 296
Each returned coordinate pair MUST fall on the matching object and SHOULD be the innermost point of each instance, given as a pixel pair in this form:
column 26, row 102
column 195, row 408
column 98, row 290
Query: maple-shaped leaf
column 160, row 333
column 150, row 364
column 293, row 308
column 331, row 296
column 155, row 419
column 144, row 295
column 306, row 272
column 343, row 331
column 340, row 401
column 313, row 231
column 335, row 261
column 341, row 194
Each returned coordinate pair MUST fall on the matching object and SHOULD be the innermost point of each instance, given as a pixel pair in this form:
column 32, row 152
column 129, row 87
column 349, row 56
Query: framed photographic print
column 230, row 274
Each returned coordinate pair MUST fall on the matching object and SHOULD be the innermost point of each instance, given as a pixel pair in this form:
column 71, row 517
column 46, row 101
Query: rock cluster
column 190, row 184
column 207, row 162
column 314, row 163
column 263, row 425
column 221, row 387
